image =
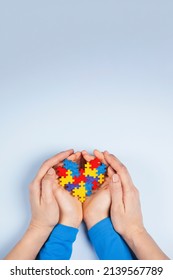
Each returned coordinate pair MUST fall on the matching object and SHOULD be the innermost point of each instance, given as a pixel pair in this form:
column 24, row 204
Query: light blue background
column 86, row 74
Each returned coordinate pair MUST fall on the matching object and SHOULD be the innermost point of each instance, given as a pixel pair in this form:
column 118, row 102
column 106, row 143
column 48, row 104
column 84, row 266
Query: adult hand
column 45, row 210
column 126, row 213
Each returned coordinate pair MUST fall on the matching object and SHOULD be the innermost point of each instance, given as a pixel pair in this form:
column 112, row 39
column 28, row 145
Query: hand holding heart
column 52, row 203
column 71, row 210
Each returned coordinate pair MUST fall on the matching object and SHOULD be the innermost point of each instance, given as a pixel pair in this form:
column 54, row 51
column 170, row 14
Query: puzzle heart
column 81, row 182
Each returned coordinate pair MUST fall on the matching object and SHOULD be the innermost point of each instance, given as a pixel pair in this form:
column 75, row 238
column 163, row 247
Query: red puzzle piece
column 81, row 171
column 79, row 179
column 95, row 185
column 61, row 171
column 95, row 163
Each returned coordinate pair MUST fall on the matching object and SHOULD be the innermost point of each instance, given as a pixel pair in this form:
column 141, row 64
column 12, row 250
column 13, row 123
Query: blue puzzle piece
column 70, row 187
column 90, row 179
column 89, row 193
column 88, row 186
column 68, row 164
column 75, row 172
column 101, row 169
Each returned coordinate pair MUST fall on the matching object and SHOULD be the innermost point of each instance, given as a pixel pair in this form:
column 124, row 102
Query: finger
column 47, row 185
column 100, row 156
column 121, row 171
column 105, row 184
column 52, row 162
column 75, row 157
column 116, row 192
column 35, row 193
column 78, row 157
column 57, row 189
column 87, row 156
column 110, row 171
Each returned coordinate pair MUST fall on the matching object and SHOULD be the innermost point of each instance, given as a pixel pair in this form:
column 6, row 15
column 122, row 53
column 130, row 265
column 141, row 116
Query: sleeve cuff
column 64, row 233
column 102, row 227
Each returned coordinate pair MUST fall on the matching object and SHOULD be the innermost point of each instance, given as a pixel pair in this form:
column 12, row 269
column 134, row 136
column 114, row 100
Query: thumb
column 59, row 194
column 47, row 184
column 116, row 191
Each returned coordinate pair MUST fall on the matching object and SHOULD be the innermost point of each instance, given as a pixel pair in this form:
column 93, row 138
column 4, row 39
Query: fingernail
column 51, row 171
column 115, row 178
column 107, row 152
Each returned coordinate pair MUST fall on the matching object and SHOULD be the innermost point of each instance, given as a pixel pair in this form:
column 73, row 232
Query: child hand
column 126, row 212
column 45, row 210
column 70, row 207
column 96, row 207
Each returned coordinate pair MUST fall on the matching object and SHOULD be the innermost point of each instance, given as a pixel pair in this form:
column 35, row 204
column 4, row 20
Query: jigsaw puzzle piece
column 61, row 171
column 95, row 163
column 80, row 193
column 90, row 179
column 101, row 169
column 89, row 171
column 88, row 187
column 68, row 164
column 79, row 179
column 101, row 178
column 70, row 187
column 66, row 180
column 75, row 172
column 95, row 185
column 62, row 181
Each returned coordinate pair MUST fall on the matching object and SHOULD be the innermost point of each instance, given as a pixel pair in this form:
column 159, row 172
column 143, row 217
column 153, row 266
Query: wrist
column 38, row 230
column 31, row 243
column 93, row 219
column 72, row 222
column 135, row 237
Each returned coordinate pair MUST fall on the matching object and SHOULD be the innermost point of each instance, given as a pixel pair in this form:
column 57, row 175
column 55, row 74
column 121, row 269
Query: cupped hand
column 44, row 207
column 70, row 207
column 96, row 207
column 126, row 212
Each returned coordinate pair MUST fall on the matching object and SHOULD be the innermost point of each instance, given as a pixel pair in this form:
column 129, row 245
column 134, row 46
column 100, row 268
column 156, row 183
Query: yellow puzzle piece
column 90, row 172
column 66, row 180
column 101, row 178
column 80, row 193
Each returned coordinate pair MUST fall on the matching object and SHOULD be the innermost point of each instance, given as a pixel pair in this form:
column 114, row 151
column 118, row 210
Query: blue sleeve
column 108, row 244
column 59, row 244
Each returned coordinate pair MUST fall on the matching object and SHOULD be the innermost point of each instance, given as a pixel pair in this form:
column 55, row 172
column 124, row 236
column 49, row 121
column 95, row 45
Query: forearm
column 144, row 247
column 29, row 246
column 59, row 244
column 108, row 244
